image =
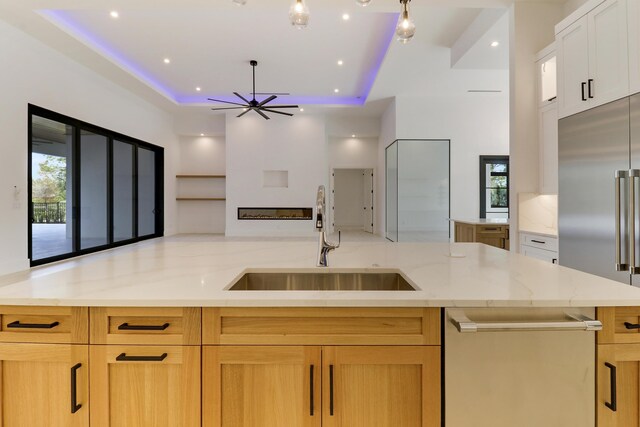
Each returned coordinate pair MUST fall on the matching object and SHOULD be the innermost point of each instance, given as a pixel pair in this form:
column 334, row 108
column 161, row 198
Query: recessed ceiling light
column 494, row 44
column 302, row 110
column 336, row 90
column 353, row 136
column 202, row 134
column 340, row 62
column 345, row 16
column 167, row 60
column 114, row 14
column 198, row 88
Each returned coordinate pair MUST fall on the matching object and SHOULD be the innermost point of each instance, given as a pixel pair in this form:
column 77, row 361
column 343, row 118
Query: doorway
column 352, row 199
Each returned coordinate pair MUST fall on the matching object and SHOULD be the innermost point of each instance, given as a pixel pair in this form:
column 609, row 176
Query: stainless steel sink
column 299, row 281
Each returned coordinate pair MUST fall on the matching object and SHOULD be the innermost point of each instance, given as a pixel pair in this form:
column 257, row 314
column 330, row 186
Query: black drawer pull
column 539, row 241
column 19, row 325
column 613, row 405
column 630, row 325
column 331, row 390
column 122, row 357
column 128, row 327
column 75, row 406
column 584, row 84
column 590, row 88
column 311, row 390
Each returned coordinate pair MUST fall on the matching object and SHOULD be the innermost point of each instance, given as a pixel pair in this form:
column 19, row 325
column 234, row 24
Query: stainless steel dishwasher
column 520, row 367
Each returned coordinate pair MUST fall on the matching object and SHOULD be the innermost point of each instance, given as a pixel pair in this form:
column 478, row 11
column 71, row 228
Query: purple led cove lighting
column 58, row 18
column 371, row 76
column 71, row 27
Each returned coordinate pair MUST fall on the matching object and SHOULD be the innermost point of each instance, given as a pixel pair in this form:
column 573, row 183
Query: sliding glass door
column 90, row 188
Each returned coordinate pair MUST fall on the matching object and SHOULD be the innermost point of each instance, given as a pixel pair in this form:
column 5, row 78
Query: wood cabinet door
column 634, row 45
column 618, row 385
column 44, row 385
column 608, row 52
column 381, row 386
column 573, row 68
column 261, row 386
column 141, row 386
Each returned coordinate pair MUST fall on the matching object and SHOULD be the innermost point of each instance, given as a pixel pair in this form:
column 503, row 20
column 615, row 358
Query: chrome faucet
column 324, row 247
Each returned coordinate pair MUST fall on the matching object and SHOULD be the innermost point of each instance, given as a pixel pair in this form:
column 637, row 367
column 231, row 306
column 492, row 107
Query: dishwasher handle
column 575, row 322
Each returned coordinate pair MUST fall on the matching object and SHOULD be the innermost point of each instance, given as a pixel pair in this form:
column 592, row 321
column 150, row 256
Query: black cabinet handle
column 128, row 327
column 539, row 241
column 311, row 390
column 584, row 84
column 590, row 88
column 630, row 325
column 75, row 406
column 331, row 390
column 19, row 325
column 551, row 99
column 122, row 357
column 554, row 261
column 613, row 405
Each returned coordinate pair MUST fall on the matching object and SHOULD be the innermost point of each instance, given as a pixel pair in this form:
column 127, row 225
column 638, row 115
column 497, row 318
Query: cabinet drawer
column 538, row 241
column 59, row 325
column 541, row 254
column 492, row 230
column 620, row 325
column 147, row 326
column 320, row 326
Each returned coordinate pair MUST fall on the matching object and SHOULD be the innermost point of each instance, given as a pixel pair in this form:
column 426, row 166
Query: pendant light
column 240, row 2
column 363, row 2
column 299, row 14
column 406, row 27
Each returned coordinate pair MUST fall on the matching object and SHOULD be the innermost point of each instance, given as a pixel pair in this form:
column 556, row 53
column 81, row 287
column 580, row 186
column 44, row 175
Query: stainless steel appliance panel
column 634, row 109
column 593, row 145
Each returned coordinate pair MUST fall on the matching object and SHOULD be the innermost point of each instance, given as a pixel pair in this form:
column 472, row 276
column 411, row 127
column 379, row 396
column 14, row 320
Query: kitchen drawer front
column 544, row 255
column 492, row 230
column 146, row 326
column 321, row 326
column 620, row 325
column 538, row 241
column 55, row 325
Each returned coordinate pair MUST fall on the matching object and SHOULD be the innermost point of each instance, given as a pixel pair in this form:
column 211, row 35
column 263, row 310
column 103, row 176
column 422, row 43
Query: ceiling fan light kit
column 258, row 106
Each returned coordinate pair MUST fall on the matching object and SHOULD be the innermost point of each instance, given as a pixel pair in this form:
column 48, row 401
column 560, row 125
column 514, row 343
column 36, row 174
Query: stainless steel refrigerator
column 599, row 190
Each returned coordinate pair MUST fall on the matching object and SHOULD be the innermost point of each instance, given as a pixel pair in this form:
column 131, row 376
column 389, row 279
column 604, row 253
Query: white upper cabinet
column 548, row 134
column 634, row 45
column 593, row 58
column 547, row 79
column 573, row 68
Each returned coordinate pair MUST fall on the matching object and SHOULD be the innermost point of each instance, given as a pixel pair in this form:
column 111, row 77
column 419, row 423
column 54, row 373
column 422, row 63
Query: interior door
column 367, row 197
column 592, row 146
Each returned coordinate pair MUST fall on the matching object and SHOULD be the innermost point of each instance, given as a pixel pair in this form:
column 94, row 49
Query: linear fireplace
column 275, row 213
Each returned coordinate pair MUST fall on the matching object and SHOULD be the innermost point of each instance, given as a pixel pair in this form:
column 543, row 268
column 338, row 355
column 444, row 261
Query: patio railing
column 49, row 213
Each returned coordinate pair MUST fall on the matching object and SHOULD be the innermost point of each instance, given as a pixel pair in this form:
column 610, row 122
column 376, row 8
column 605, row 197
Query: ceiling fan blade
column 277, row 112
column 261, row 113
column 224, row 102
column 227, row 108
column 272, row 93
column 241, row 97
column 283, row 106
column 269, row 99
column 244, row 112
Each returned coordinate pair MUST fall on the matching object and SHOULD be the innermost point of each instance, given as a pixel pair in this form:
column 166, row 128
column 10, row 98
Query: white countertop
column 194, row 272
column 483, row 221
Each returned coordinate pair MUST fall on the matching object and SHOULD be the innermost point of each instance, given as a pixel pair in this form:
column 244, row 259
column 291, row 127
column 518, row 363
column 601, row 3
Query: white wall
column 34, row 73
column 387, row 136
column 201, row 155
column 476, row 124
column 353, row 153
column 253, row 145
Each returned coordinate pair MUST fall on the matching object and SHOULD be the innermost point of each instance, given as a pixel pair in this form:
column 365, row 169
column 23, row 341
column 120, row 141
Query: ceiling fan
column 254, row 105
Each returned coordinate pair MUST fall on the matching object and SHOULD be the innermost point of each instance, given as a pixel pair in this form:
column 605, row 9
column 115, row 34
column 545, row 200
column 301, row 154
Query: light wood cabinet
column 633, row 13
column 310, row 386
column 44, row 385
column 618, row 385
column 593, row 59
column 145, row 386
column 492, row 235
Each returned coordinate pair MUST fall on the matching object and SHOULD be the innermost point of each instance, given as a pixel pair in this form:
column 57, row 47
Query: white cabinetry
column 593, row 58
column 539, row 246
column 634, row 45
column 548, row 135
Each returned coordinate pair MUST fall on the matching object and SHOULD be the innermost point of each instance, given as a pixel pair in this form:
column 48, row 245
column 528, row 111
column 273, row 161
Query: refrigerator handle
column 620, row 265
column 633, row 265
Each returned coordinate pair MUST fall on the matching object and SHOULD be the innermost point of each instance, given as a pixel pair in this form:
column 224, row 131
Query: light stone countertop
column 183, row 272
column 482, row 221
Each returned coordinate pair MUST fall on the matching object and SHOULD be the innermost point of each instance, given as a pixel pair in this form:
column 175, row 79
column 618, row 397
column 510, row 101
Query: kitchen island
column 151, row 332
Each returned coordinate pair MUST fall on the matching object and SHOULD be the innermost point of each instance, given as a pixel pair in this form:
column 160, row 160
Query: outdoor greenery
column 51, row 184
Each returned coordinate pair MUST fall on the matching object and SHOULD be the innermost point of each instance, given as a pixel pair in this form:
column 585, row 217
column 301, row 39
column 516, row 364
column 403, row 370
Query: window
column 89, row 189
column 494, row 186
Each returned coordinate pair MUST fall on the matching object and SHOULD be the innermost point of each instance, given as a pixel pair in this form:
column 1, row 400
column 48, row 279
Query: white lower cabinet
column 539, row 246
